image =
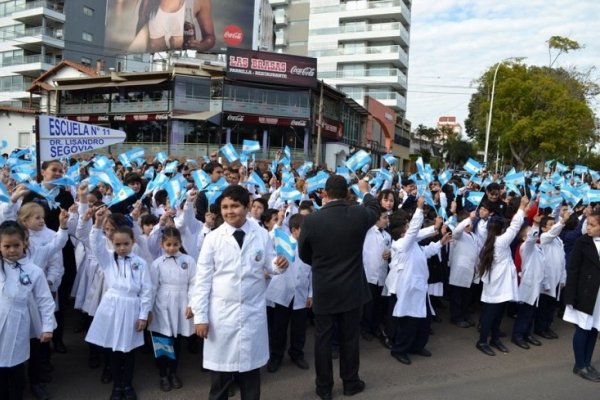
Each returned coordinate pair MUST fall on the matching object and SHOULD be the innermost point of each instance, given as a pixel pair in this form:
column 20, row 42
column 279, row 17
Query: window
column 88, row 12
column 24, row 139
column 88, row 37
column 86, row 61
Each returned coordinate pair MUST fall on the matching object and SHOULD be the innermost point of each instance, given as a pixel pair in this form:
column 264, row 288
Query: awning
column 98, row 85
column 210, row 116
column 82, row 86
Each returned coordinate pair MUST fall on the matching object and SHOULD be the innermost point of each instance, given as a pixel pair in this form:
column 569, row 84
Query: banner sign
column 273, row 68
column 122, row 118
column 232, row 119
column 61, row 137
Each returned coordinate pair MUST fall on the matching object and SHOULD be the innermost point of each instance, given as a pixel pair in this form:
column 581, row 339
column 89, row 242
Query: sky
column 453, row 42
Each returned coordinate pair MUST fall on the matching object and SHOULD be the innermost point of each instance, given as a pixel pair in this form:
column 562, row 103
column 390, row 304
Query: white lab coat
column 464, row 256
column 533, row 264
column 128, row 298
column 500, row 283
column 555, row 272
column 409, row 272
column 376, row 268
column 229, row 295
column 295, row 284
column 15, row 320
column 171, row 279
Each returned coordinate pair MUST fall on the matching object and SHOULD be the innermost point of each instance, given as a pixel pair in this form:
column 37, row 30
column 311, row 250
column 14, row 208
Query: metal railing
column 37, row 58
column 11, row 7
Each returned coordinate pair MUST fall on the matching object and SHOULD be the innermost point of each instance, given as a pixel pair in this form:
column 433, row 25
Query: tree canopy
column 539, row 113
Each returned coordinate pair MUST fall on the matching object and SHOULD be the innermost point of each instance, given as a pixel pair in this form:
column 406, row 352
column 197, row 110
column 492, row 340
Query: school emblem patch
column 184, row 265
column 258, row 255
column 135, row 266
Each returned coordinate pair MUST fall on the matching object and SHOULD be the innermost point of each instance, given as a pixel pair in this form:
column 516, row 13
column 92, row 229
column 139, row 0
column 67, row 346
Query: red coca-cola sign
column 264, row 67
column 233, row 35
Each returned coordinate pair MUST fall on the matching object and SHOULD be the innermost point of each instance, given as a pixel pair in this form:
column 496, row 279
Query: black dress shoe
column 175, row 381
column 385, row 342
column 351, row 391
column 273, row 364
column 129, row 393
column 324, row 395
column 402, row 357
column 60, row 347
column 300, row 362
column 116, row 394
column 519, row 341
column 485, row 348
column 587, row 374
column 165, row 384
column 39, row 391
column 532, row 340
column 422, row 353
column 547, row 334
column 497, row 344
column 552, row 334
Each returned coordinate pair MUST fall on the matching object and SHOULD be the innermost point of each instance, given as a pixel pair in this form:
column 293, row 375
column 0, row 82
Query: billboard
column 256, row 66
column 209, row 26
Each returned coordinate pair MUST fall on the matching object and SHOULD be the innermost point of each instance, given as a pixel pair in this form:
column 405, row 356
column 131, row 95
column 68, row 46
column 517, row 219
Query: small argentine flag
column 285, row 245
column 475, row 198
column 304, row 168
column 560, row 167
column 287, row 152
column 229, row 152
column 290, row 194
column 201, row 178
column 163, row 346
column 390, row 159
column 358, row 160
column 317, row 182
column 472, row 167
column 344, row 172
column 593, row 196
column 516, row 178
column 171, row 167
column 102, row 162
column 571, row 194
column 250, row 146
column 122, row 194
column 254, row 179
column 161, row 157
column 174, row 191
column 444, row 177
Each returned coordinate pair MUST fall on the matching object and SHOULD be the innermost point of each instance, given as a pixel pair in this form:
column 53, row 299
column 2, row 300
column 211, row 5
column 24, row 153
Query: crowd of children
column 150, row 269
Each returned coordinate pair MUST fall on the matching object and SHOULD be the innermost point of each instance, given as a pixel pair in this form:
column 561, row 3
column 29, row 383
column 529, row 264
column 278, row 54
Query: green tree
column 563, row 45
column 539, row 113
column 456, row 150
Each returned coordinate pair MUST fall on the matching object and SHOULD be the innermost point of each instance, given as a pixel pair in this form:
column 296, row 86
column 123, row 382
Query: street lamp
column 489, row 121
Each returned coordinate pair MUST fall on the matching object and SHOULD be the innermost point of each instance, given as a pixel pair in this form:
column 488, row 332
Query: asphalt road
column 456, row 371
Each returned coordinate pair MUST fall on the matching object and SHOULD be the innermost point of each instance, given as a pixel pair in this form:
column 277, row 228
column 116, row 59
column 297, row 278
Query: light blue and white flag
column 64, row 181
column 132, row 156
column 3, row 144
column 212, row 194
column 163, row 346
column 304, row 168
column 287, row 178
column 4, row 194
column 560, row 167
column 159, row 181
column 161, row 157
column 516, row 178
column 472, row 167
column 285, row 245
column 250, row 146
column 444, row 177
column 122, row 193
column 171, row 167
column 256, row 180
column 174, row 191
column 229, row 153
column 511, row 187
column 549, row 201
column 221, row 184
column 475, row 198
column 385, row 175
column 594, row 174
column 571, row 195
column 580, row 169
column 420, row 167
column 201, row 178
column 290, row 194
column 390, row 159
column 546, row 187
column 593, row 196
column 317, row 182
column 287, row 152
column 358, row 160
column 149, row 173
column 357, row 191
column 344, row 172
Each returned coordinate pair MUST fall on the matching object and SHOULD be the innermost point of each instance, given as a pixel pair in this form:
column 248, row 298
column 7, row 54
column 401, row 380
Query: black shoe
column 552, row 334
column 60, row 347
column 116, row 394
column 359, row 387
column 462, row 324
column 402, row 357
column 499, row 346
column 165, row 384
column 594, row 370
column 547, row 334
column 300, row 362
column 519, row 341
column 106, row 376
column 532, row 340
column 273, row 364
column 485, row 348
column 385, row 342
column 422, row 353
column 324, row 395
column 39, row 391
column 175, row 381
column 129, row 393
column 587, row 374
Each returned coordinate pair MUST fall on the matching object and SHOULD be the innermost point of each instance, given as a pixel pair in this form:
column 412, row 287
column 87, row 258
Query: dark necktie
column 239, row 236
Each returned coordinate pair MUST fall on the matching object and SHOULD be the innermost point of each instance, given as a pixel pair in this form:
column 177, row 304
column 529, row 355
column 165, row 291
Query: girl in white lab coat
column 122, row 315
column 499, row 277
column 19, row 279
column 171, row 275
column 408, row 281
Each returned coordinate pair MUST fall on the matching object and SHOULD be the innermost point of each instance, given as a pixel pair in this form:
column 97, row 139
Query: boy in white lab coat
column 228, row 297
column 376, row 256
column 291, row 294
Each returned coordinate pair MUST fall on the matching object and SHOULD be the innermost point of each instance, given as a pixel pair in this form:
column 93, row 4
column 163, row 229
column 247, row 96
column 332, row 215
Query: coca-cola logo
column 235, row 118
column 233, row 35
column 306, row 71
column 298, row 122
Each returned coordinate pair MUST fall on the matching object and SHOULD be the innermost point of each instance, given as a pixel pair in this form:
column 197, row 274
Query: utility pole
column 319, row 128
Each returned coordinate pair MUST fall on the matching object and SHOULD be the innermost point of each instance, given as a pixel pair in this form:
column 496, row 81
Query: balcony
column 279, row 2
column 353, row 9
column 391, row 77
column 32, row 12
column 391, row 99
column 32, row 39
column 281, row 40
column 371, row 54
column 31, row 66
column 363, row 31
column 281, row 19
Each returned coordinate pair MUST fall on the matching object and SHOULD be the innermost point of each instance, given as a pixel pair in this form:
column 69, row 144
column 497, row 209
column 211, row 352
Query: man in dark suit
column 331, row 241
